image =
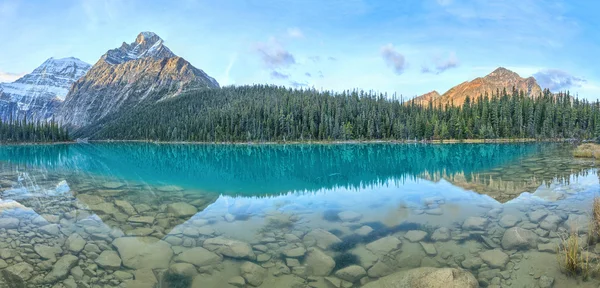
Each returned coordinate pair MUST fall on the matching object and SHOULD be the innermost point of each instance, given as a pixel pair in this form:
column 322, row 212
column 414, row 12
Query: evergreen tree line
column 23, row 131
column 272, row 113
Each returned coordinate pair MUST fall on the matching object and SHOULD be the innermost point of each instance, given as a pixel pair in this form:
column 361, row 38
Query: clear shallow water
column 122, row 214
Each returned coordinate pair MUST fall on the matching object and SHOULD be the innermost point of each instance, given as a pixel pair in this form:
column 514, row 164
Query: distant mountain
column 145, row 71
column 39, row 94
column 499, row 79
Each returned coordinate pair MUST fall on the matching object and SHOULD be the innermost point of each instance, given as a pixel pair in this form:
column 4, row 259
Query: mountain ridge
column 499, row 79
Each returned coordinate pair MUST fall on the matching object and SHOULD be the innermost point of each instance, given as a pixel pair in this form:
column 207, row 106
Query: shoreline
column 438, row 142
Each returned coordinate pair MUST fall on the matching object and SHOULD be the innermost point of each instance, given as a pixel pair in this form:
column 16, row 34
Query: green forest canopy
column 272, row 113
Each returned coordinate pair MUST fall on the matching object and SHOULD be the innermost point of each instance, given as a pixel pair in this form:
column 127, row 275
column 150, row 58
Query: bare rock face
column 498, row 80
column 145, row 70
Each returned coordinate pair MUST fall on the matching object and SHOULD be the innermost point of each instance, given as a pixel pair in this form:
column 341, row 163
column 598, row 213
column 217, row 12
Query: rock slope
column 145, row 70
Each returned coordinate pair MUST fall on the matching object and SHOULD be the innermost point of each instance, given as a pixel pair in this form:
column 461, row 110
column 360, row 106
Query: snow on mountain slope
column 38, row 94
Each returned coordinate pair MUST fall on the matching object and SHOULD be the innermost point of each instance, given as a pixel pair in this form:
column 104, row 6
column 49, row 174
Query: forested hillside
column 23, row 131
column 270, row 113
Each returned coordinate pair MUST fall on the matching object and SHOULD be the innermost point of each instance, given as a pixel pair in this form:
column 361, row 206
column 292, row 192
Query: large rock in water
column 143, row 252
column 182, row 209
column 253, row 273
column 320, row 238
column 230, row 248
column 16, row 276
column 519, row 238
column 318, row 263
column 61, row 268
column 427, row 277
column 199, row 257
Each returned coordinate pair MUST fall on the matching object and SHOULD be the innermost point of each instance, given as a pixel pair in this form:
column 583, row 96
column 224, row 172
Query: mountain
column 39, row 94
column 499, row 79
column 140, row 73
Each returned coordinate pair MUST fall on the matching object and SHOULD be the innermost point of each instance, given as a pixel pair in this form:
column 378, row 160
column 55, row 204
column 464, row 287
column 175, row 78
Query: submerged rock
column 75, row 243
column 199, row 257
column 17, row 275
column 143, row 252
column 61, row 268
column 415, row 235
column 427, row 277
column 320, row 238
column 441, row 234
column 109, row 259
column 519, row 238
column 475, row 223
column 494, row 258
column 253, row 273
column 318, row 263
column 351, row 273
column 508, row 221
column 384, row 245
column 181, row 209
column 230, row 248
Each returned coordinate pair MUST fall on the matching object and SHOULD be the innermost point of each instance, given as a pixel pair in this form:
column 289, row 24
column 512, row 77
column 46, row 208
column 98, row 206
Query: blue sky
column 407, row 47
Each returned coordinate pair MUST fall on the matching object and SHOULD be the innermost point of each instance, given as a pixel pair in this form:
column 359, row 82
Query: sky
column 407, row 47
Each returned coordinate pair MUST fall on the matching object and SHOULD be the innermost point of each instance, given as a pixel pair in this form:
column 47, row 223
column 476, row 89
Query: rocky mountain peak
column 503, row 74
column 146, row 45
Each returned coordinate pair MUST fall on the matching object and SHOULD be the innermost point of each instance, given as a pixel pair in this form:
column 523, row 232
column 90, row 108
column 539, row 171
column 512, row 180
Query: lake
column 339, row 215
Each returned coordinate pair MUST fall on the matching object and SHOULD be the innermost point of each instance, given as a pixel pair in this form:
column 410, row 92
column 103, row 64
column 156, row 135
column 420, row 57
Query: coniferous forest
column 38, row 132
column 271, row 113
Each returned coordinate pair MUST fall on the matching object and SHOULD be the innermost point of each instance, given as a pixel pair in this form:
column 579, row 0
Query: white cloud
column 9, row 77
column 295, row 32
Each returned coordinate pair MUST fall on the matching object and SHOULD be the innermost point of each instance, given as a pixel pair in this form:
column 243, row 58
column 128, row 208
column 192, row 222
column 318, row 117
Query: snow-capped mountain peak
column 36, row 94
column 146, row 45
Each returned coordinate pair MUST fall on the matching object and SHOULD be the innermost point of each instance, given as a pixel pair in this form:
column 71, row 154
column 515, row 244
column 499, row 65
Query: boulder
column 537, row 215
column 429, row 248
column 494, row 258
column 295, row 252
column 364, row 230
column 109, row 259
column 75, row 243
column 143, row 252
column 318, row 263
column 441, row 234
column 181, row 209
column 551, row 222
column 230, row 248
column 415, row 235
column 47, row 252
column 252, row 273
column 577, row 223
column 125, row 207
column 16, row 276
column 427, row 277
column 379, row 269
column 186, row 269
column 384, row 245
column 61, row 268
column 519, row 238
column 320, row 238
column 509, row 220
column 475, row 223
column 351, row 273
column 199, row 256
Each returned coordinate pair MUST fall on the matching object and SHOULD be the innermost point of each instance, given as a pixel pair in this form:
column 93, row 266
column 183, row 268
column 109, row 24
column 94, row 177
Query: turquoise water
column 151, row 215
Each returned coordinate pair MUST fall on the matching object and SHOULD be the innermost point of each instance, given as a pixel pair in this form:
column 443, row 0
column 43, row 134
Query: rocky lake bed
column 64, row 229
